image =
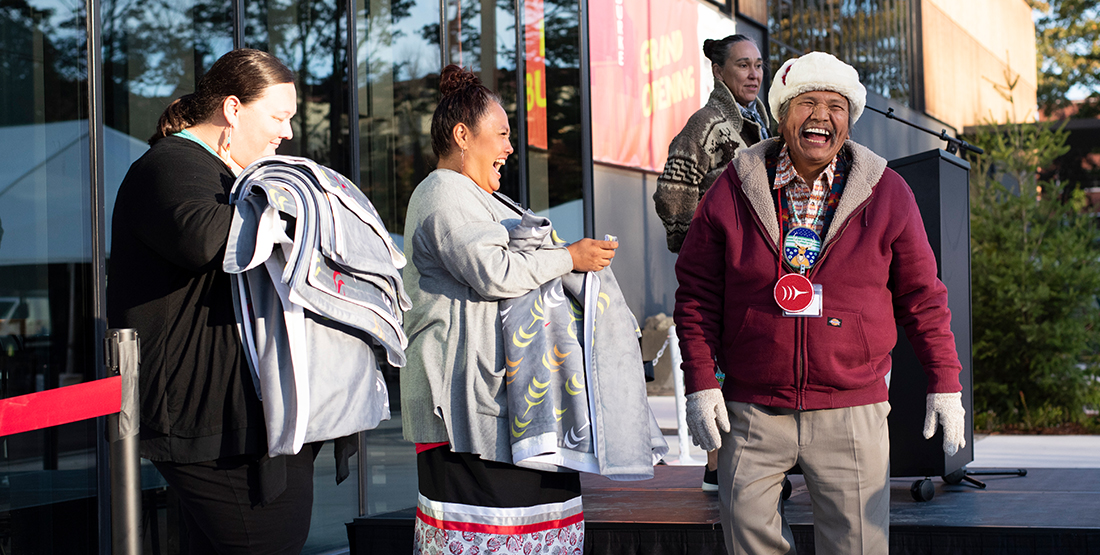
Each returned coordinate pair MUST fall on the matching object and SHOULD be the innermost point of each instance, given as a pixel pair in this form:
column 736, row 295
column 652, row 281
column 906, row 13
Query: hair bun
column 709, row 48
column 455, row 79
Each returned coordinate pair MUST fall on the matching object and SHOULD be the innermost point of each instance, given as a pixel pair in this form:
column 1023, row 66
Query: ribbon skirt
column 469, row 506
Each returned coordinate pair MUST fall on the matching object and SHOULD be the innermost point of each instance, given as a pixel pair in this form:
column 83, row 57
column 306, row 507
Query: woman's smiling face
column 263, row 124
column 488, row 149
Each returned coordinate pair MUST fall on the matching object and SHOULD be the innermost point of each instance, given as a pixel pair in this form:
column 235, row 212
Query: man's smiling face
column 815, row 127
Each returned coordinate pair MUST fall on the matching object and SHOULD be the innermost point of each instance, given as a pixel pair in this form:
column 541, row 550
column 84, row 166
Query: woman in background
column 453, row 403
column 202, row 424
column 732, row 120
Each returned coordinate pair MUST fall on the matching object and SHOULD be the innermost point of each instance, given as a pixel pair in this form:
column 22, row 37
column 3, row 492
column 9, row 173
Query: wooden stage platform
column 1048, row 512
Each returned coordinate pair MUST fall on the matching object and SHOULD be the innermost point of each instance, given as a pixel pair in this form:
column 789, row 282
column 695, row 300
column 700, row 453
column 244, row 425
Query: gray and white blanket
column 575, row 382
column 319, row 300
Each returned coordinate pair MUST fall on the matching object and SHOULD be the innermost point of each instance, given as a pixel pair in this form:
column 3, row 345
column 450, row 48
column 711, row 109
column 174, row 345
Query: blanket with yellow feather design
column 574, row 377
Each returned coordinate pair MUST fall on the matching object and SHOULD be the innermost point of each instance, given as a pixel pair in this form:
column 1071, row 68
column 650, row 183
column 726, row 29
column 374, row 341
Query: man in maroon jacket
column 800, row 262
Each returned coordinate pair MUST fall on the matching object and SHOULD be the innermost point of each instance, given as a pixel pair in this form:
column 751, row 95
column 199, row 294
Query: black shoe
column 710, row 480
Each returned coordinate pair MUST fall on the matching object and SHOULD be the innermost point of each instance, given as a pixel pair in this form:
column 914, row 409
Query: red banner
column 534, row 33
column 645, row 78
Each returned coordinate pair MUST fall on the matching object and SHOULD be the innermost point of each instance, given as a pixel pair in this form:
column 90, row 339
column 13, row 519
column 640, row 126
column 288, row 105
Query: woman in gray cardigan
column 453, row 403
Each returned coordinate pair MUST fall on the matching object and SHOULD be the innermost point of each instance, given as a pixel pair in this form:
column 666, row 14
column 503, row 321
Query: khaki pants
column 845, row 457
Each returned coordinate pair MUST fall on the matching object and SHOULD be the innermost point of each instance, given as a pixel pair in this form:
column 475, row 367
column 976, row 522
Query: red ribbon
column 63, row 405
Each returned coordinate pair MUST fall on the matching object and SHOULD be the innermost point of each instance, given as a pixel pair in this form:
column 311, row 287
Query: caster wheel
column 923, row 490
column 787, row 489
column 955, row 477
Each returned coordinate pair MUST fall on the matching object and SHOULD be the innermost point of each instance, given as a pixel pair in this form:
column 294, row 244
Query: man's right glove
column 706, row 414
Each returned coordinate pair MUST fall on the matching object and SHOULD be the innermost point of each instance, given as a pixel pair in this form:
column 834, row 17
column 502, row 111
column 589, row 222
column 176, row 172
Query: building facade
column 594, row 90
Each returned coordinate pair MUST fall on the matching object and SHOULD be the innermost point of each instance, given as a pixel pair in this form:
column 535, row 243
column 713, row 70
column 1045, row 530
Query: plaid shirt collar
column 785, row 173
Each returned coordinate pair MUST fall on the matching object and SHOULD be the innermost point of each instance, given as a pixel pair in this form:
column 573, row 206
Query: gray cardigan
column 456, row 243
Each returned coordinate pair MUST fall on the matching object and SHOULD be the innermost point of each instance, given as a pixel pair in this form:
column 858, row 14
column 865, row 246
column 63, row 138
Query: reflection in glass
column 398, row 75
column 398, row 54
column 555, row 42
column 399, row 65
column 481, row 36
column 153, row 53
column 47, row 477
column 310, row 37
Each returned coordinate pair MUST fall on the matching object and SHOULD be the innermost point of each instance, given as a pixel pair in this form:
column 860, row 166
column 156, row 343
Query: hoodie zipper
column 800, row 325
column 803, row 336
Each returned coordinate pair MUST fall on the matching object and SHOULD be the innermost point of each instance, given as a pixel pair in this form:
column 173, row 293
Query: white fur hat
column 817, row 71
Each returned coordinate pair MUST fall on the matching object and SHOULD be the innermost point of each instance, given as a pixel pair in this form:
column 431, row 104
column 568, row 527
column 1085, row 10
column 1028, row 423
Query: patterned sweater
column 698, row 155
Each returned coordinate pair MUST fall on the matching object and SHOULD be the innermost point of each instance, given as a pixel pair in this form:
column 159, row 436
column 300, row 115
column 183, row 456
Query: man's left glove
column 948, row 409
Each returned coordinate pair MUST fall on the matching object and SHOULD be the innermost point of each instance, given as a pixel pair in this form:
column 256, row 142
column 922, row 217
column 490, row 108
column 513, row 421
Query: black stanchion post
column 124, row 359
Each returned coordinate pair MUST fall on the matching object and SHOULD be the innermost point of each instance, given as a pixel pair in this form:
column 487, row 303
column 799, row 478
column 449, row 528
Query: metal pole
column 124, row 359
column 238, row 18
column 522, row 192
column 96, row 113
column 587, row 186
column 354, row 161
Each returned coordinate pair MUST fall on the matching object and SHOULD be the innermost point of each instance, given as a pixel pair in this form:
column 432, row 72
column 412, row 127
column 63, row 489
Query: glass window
column 399, row 64
column 153, row 53
column 47, row 477
column 874, row 36
column 552, row 44
column 482, row 38
column 398, row 53
column 310, row 37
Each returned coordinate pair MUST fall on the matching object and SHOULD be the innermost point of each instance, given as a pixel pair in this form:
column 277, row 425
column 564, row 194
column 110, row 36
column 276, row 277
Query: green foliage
column 1067, row 44
column 1035, row 283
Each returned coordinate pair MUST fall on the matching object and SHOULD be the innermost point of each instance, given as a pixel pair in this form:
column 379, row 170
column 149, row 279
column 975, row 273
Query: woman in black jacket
column 202, row 423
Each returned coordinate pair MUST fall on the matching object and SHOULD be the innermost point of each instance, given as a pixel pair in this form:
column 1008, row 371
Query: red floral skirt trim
column 431, row 540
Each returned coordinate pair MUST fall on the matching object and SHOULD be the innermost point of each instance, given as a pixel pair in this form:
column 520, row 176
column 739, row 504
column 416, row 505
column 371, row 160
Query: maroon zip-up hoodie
column 876, row 270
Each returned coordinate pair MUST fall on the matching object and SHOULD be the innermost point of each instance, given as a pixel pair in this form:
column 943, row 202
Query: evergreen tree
column 1035, row 283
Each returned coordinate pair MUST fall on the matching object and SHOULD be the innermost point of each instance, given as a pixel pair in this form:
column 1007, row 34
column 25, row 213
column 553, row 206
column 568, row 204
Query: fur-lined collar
column 864, row 173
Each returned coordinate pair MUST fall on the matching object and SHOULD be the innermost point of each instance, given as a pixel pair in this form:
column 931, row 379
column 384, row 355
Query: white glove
column 948, row 408
column 706, row 414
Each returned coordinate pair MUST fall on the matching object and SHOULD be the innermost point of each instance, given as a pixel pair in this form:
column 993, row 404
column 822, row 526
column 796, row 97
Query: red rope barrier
column 63, row 405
